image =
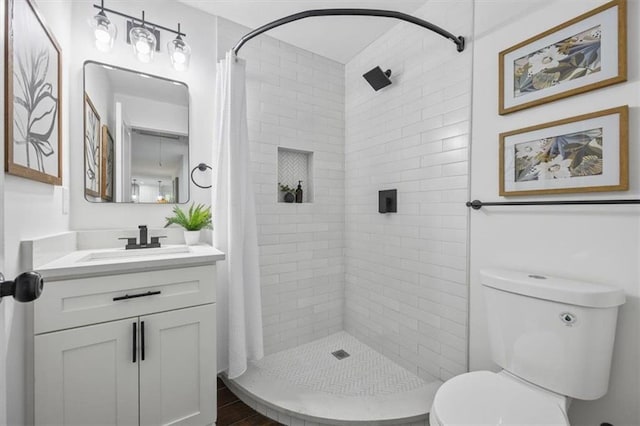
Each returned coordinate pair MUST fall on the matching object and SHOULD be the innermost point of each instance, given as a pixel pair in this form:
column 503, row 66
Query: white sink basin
column 121, row 253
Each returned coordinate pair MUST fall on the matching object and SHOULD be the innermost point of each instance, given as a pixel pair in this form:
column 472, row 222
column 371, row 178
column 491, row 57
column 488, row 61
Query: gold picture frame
column 33, row 98
column 582, row 54
column 92, row 134
column 586, row 153
column 106, row 165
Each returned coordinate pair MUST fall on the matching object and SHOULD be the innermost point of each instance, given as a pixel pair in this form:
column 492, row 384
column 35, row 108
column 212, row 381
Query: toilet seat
column 487, row 398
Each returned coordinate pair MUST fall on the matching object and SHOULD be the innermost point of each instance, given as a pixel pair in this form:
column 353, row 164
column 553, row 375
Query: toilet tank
column 553, row 332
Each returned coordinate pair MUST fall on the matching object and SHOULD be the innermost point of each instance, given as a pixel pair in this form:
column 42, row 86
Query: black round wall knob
column 28, row 286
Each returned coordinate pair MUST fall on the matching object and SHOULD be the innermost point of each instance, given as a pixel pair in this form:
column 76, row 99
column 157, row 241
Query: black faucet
column 144, row 240
column 143, row 235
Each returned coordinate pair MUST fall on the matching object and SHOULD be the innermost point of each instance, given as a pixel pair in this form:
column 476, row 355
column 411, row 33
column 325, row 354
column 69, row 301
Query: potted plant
column 198, row 217
column 289, row 193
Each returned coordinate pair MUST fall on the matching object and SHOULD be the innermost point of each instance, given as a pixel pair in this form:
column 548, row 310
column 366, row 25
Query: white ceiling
column 336, row 37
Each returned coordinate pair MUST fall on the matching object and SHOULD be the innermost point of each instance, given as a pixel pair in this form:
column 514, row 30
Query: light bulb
column 102, row 34
column 179, row 57
column 142, row 47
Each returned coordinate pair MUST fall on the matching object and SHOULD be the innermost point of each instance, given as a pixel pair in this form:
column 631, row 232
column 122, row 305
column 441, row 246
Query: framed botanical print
column 92, row 132
column 106, row 165
column 583, row 54
column 587, row 153
column 33, row 78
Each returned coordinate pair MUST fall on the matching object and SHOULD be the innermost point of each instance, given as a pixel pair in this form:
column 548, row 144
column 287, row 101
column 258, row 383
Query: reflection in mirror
column 136, row 137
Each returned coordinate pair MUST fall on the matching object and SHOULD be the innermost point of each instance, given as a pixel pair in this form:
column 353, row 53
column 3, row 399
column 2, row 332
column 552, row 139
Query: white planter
column 191, row 238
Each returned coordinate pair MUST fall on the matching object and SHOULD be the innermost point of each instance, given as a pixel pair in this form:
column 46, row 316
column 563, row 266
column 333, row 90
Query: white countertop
column 70, row 263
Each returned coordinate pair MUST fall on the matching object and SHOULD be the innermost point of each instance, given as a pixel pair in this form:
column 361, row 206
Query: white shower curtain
column 235, row 233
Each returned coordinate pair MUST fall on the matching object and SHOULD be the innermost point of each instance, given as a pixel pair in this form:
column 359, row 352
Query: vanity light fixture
column 179, row 52
column 143, row 35
column 104, row 30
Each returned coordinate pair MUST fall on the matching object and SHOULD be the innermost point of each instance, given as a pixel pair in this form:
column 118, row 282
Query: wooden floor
column 232, row 411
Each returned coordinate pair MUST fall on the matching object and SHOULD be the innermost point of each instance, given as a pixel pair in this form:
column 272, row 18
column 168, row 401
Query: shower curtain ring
column 202, row 167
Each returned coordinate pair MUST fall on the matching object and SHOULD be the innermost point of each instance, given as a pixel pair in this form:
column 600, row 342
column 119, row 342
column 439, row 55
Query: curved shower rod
column 459, row 41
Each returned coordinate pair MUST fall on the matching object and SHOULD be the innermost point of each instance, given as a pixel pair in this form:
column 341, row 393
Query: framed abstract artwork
column 583, row 54
column 92, row 133
column 587, row 153
column 106, row 165
column 33, row 79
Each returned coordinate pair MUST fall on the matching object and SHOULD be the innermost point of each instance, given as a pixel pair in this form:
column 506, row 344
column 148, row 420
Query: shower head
column 378, row 78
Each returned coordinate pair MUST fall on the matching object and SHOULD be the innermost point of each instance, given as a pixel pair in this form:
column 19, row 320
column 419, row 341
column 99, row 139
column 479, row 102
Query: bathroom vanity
column 124, row 337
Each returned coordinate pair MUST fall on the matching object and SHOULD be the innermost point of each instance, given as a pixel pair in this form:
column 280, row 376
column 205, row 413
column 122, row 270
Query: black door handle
column 141, row 340
column 133, row 296
column 135, row 340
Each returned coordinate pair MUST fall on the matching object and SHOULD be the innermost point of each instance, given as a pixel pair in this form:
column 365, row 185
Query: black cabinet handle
column 134, row 341
column 133, row 296
column 142, row 340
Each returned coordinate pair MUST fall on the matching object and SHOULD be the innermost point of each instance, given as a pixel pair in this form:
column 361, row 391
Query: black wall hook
column 202, row 167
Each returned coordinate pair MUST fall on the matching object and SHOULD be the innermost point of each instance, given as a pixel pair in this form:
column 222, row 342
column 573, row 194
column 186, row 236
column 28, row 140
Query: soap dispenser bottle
column 299, row 192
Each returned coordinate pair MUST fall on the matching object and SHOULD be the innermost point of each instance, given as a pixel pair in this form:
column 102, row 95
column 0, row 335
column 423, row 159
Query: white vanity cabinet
column 127, row 349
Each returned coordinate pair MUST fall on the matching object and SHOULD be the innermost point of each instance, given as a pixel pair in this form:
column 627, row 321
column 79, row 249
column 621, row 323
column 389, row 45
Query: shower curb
column 290, row 418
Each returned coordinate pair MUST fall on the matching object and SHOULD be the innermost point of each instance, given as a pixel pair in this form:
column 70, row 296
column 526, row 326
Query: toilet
column 552, row 337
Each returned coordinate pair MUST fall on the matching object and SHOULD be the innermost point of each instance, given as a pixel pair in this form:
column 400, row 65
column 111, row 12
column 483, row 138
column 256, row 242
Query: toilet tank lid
column 580, row 293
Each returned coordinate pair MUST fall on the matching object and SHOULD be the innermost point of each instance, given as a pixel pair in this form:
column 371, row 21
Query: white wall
column 591, row 243
column 154, row 115
column 32, row 209
column 98, row 87
column 406, row 292
column 295, row 100
column 201, row 32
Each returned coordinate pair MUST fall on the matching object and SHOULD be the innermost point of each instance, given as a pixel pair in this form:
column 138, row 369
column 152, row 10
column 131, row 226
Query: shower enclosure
column 364, row 314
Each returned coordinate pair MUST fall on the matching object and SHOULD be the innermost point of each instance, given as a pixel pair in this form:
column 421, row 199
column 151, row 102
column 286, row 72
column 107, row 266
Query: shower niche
column 295, row 166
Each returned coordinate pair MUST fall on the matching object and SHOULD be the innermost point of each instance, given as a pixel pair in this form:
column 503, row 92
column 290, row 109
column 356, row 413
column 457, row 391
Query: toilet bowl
column 487, row 398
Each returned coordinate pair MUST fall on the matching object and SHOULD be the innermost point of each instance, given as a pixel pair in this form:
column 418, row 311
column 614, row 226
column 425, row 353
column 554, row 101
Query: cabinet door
column 86, row 376
column 178, row 372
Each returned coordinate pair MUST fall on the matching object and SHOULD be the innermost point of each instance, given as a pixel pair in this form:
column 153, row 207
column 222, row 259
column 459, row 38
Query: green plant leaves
column 198, row 217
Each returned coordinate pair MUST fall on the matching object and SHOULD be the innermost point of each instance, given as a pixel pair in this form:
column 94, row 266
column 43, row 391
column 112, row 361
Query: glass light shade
column 180, row 53
column 104, row 32
column 143, row 42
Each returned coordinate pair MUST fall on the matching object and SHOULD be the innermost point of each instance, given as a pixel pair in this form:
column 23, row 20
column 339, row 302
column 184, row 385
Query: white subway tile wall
column 295, row 100
column 406, row 273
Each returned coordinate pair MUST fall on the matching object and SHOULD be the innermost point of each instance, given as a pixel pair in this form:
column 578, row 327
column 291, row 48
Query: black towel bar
column 477, row 204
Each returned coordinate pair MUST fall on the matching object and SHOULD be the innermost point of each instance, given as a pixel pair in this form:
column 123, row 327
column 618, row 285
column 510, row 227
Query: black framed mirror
column 136, row 136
